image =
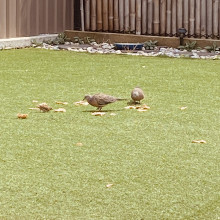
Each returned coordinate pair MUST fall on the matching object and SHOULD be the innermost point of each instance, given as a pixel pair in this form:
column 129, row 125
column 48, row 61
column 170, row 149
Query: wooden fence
column 33, row 17
column 201, row 18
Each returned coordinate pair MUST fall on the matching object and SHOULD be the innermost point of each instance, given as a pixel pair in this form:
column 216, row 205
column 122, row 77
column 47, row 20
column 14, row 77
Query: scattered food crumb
column 130, row 107
column 60, row 110
column 34, row 108
column 81, row 103
column 62, row 103
column 79, row 144
column 22, row 116
column 109, row 185
column 141, row 110
column 34, row 101
column 98, row 113
column 112, row 114
column 199, row 141
column 183, row 108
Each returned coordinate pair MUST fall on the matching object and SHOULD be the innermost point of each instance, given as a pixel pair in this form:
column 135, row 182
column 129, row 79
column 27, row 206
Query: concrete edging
column 21, row 42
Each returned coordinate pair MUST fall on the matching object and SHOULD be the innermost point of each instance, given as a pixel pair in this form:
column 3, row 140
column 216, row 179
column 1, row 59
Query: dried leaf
column 199, row 141
column 60, row 110
column 62, row 103
column 44, row 107
column 79, row 144
column 109, row 185
column 80, row 103
column 22, row 116
column 98, row 113
column 183, row 108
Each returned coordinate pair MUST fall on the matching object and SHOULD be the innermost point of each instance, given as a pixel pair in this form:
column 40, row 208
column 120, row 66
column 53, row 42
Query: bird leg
column 99, row 109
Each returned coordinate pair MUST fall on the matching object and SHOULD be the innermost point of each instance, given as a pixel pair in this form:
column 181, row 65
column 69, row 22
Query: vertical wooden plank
column 56, row 16
column 156, row 22
column 168, row 14
column 33, row 20
column 138, row 17
column 64, row 17
column 110, row 15
column 127, row 18
column 72, row 14
column 198, row 18
column 219, row 20
column 3, row 26
column 132, row 16
column 42, row 17
column 215, row 18
column 105, row 15
column 82, row 15
column 150, row 17
column 51, row 17
column 11, row 19
column 121, row 15
column 24, row 16
column 174, row 23
column 186, row 15
column 87, row 15
column 37, row 18
column 68, row 14
column 116, row 16
column 209, row 19
column 99, row 15
column 179, row 14
column 46, row 16
column 144, row 17
column 192, row 18
column 203, row 18
column 162, row 17
column 93, row 15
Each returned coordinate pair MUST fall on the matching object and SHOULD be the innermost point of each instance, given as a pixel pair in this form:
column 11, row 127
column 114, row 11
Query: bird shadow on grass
column 117, row 110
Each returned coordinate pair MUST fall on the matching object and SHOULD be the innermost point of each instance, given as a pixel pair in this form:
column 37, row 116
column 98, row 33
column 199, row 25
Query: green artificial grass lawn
column 156, row 170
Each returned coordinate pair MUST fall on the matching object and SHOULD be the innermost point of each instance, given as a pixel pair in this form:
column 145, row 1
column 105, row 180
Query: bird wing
column 103, row 99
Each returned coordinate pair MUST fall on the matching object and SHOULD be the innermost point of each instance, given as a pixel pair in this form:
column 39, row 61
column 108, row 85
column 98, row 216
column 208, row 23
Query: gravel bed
column 105, row 48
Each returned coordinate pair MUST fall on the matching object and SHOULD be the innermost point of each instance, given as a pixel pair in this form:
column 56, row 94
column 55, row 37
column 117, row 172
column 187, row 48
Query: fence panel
column 159, row 17
column 20, row 18
column 201, row 18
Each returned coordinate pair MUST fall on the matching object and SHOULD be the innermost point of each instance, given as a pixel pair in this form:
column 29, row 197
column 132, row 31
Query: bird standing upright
column 100, row 100
column 137, row 94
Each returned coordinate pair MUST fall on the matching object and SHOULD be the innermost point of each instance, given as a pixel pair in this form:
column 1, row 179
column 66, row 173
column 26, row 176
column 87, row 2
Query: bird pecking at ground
column 100, row 100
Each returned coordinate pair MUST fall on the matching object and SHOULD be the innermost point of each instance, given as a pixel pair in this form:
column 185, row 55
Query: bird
column 137, row 94
column 100, row 100
column 44, row 107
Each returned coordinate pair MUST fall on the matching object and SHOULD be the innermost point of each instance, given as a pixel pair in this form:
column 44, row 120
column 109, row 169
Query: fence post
column 162, row 17
column 105, row 15
column 203, row 18
column 127, row 20
column 144, row 17
column 150, row 17
column 138, row 17
column 168, row 14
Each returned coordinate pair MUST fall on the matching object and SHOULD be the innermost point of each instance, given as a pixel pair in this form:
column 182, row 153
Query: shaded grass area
column 156, row 172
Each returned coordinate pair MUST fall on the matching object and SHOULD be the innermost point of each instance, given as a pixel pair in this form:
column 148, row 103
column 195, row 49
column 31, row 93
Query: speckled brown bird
column 100, row 100
column 137, row 94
